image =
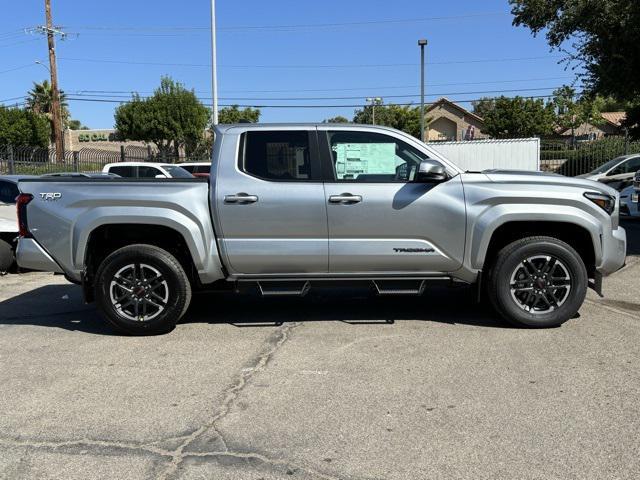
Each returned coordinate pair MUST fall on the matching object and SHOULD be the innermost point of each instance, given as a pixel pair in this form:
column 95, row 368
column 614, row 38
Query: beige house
column 611, row 125
column 448, row 121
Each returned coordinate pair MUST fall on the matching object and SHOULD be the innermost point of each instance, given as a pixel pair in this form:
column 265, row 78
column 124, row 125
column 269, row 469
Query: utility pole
column 56, row 110
column 214, row 65
column 422, row 43
column 374, row 101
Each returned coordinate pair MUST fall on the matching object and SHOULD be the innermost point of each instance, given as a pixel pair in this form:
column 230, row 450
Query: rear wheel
column 538, row 282
column 142, row 290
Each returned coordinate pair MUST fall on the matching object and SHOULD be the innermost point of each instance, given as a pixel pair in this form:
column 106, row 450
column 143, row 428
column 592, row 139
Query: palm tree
column 40, row 100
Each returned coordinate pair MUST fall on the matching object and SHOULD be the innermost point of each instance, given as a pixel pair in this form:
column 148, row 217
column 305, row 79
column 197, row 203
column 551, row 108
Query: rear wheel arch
column 105, row 239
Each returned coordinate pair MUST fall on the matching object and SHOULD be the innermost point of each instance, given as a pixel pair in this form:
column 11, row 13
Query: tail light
column 21, row 205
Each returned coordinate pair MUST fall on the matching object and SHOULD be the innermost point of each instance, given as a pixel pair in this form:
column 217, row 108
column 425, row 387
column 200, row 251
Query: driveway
column 324, row 387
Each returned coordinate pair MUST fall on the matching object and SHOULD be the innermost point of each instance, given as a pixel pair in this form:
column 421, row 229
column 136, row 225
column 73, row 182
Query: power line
column 379, row 65
column 13, row 98
column 305, row 106
column 17, row 68
column 18, row 43
column 352, row 89
column 292, row 26
column 438, row 94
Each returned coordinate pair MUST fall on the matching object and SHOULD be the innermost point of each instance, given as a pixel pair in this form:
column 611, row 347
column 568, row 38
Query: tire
column 7, row 258
column 527, row 296
column 142, row 290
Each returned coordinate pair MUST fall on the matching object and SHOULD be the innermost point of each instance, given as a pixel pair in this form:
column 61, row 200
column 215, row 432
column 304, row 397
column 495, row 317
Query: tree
column 603, row 35
column 571, row 113
column 171, row 118
column 337, row 119
column 233, row 114
column 23, row 127
column 40, row 100
column 482, row 106
column 405, row 118
column 76, row 125
column 519, row 117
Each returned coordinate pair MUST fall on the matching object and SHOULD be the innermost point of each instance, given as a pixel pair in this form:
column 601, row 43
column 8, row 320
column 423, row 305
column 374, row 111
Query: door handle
column 345, row 198
column 241, row 198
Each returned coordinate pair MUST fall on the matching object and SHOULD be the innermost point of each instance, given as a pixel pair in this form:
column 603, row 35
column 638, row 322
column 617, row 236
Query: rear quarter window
column 8, row 192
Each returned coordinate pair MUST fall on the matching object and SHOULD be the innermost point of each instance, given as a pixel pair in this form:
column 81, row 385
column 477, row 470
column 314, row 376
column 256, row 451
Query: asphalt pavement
column 329, row 386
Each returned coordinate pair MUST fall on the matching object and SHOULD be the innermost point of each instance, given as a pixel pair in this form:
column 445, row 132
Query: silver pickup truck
column 288, row 207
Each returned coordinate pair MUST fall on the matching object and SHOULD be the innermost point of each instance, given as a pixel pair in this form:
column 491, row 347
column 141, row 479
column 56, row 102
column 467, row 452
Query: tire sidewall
column 502, row 278
column 164, row 322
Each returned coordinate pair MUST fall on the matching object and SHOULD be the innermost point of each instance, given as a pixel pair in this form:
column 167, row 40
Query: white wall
column 477, row 155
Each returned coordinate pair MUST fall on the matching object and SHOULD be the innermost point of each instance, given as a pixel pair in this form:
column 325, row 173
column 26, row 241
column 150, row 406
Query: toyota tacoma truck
column 290, row 207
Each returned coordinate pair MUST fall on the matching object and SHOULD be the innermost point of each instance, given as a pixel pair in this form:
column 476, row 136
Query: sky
column 287, row 53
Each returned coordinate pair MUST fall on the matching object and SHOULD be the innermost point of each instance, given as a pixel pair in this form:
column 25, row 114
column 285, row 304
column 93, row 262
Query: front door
column 380, row 220
column 270, row 203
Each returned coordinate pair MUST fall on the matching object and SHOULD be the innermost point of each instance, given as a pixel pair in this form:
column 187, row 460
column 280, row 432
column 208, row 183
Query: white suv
column 617, row 173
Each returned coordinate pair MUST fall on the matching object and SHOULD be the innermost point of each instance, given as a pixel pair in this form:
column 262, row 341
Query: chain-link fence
column 38, row 161
column 582, row 157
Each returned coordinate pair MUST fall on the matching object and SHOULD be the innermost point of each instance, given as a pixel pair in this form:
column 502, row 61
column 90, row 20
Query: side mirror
column 161, row 176
column 430, row 171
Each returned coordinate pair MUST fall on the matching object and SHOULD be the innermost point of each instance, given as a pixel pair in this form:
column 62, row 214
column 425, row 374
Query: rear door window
column 149, row 172
column 126, row 172
column 277, row 155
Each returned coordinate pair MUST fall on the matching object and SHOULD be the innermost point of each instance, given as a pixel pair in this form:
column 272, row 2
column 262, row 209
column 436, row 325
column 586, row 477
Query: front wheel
column 142, row 290
column 538, row 282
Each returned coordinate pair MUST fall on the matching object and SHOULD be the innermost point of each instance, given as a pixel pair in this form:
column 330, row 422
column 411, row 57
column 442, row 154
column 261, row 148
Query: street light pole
column 374, row 101
column 214, row 65
column 422, row 43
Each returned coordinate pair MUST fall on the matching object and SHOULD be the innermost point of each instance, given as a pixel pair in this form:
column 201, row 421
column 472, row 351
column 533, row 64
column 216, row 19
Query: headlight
column 604, row 201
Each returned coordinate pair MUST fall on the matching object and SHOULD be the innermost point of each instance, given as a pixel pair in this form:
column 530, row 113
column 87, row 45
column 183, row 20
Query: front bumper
column 614, row 251
column 31, row 256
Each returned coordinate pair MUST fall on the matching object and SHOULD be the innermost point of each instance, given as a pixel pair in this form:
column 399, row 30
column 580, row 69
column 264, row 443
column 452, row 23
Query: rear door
column 270, row 202
column 380, row 220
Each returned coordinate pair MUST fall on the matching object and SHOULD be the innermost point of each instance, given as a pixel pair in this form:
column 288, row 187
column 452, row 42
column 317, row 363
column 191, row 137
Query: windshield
column 177, row 172
column 607, row 166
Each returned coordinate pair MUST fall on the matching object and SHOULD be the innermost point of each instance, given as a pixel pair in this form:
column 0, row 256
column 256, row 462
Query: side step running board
column 400, row 287
column 276, row 289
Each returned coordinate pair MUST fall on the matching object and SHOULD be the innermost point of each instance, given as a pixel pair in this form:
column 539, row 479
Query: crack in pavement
column 176, row 456
column 230, row 395
column 85, row 442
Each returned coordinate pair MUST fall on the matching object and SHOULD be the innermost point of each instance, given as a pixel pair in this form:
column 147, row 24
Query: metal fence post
column 123, row 157
column 149, row 157
column 626, row 141
column 76, row 161
column 11, row 166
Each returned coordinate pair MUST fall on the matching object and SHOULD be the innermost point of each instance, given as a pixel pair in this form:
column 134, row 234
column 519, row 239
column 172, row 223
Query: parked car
column 197, row 169
column 629, row 202
column 8, row 220
column 290, row 207
column 617, row 173
column 146, row 170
